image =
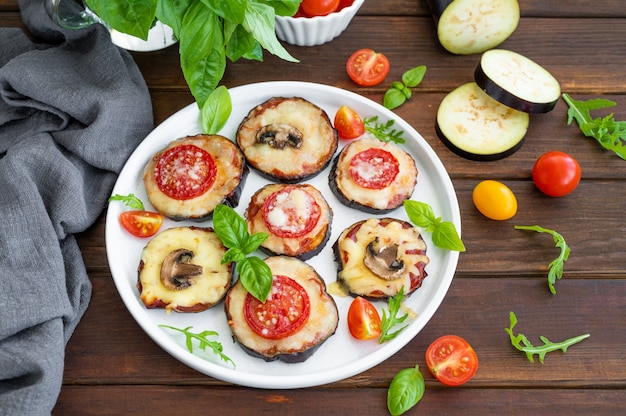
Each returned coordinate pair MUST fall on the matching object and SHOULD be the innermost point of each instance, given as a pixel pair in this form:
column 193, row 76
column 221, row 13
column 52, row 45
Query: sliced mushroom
column 279, row 135
column 383, row 260
column 177, row 272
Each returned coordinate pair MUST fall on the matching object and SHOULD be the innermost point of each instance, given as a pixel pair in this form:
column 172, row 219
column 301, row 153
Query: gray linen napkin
column 72, row 109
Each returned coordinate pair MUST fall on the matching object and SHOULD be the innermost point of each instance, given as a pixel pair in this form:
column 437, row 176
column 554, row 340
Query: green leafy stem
column 204, row 342
column 444, row 233
column 391, row 320
column 522, row 343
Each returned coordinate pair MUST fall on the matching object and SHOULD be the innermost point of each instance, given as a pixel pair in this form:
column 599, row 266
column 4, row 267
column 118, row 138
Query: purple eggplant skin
column 474, row 156
column 438, row 6
column 293, row 358
column 344, row 199
column 501, row 95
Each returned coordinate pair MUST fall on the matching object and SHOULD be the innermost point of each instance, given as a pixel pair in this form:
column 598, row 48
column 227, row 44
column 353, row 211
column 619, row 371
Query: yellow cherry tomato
column 494, row 200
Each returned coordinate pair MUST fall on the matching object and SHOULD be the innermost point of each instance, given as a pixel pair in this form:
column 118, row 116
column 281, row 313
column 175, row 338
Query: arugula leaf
column 556, row 266
column 400, row 91
column 522, row 343
column 202, row 338
column 391, row 320
column 444, row 233
column 129, row 200
column 232, row 230
column 609, row 133
column 406, row 389
column 383, row 132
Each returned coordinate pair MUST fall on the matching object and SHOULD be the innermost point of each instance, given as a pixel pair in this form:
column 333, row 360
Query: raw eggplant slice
column 477, row 127
column 517, row 81
column 466, row 27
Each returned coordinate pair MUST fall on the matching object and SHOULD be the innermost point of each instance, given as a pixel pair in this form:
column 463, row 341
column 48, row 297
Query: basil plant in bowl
column 209, row 33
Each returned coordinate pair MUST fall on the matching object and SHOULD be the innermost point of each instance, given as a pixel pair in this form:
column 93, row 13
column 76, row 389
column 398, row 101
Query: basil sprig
column 400, row 91
column 444, row 233
column 254, row 273
column 406, row 389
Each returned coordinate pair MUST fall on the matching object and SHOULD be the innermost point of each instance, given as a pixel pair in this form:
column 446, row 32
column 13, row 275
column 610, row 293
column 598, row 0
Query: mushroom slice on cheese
column 287, row 139
column 379, row 256
column 180, row 270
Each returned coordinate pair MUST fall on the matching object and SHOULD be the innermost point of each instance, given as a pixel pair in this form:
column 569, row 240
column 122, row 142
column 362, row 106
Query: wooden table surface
column 113, row 367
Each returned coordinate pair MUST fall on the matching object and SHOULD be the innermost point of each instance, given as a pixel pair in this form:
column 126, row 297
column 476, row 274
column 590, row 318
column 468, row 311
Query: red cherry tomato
column 344, row 3
column 141, row 223
column 319, row 7
column 348, row 123
column 363, row 319
column 556, row 173
column 284, row 312
column 185, row 172
column 451, row 360
column 374, row 168
column 291, row 212
column 367, row 68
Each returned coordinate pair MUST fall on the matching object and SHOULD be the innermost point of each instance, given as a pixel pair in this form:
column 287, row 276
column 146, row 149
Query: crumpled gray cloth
column 72, row 108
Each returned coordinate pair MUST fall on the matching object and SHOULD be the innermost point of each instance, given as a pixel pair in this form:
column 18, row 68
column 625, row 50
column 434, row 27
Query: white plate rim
column 445, row 204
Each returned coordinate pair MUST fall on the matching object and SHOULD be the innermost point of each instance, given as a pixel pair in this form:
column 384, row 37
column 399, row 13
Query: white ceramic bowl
column 310, row 31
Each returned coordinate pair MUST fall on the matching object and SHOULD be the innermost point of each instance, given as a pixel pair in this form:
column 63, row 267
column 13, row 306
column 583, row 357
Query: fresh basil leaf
column 406, row 389
column 444, row 233
column 240, row 43
column 232, row 255
column 253, row 242
column 413, row 77
column 419, row 213
column 256, row 277
column 393, row 98
column 397, row 85
column 232, row 10
column 446, row 236
column 216, row 110
column 171, row 12
column 283, row 7
column 229, row 226
column 260, row 21
column 134, row 17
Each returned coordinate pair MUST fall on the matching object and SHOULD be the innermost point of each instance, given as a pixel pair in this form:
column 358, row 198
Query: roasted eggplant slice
column 298, row 316
column 296, row 218
column 477, row 127
column 379, row 256
column 194, row 174
column 373, row 176
column 517, row 82
column 180, row 270
column 287, row 139
column 467, row 27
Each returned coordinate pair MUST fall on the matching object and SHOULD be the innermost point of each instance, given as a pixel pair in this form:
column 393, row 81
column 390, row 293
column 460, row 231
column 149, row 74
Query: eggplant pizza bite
column 180, row 270
column 373, row 176
column 287, row 139
column 295, row 319
column 379, row 256
column 296, row 218
column 194, row 174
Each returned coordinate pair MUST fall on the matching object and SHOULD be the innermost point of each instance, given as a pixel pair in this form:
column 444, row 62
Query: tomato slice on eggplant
column 184, row 172
column 451, row 360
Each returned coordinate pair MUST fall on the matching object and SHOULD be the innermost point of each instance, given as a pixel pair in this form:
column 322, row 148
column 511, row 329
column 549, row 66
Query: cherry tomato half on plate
column 348, row 123
column 494, row 200
column 318, row 7
column 367, row 68
column 363, row 319
column 451, row 360
column 141, row 223
column 556, row 173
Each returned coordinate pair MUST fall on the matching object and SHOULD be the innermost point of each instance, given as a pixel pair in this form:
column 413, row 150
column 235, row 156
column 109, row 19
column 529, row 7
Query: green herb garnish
column 400, row 91
column 556, row 266
column 203, row 340
column 609, row 133
column 406, row 389
column 522, row 343
column 383, row 132
column 129, row 200
column 444, row 233
column 216, row 110
column 254, row 273
column 388, row 322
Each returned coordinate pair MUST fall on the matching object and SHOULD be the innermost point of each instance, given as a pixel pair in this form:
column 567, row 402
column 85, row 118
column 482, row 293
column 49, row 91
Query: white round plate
column 341, row 356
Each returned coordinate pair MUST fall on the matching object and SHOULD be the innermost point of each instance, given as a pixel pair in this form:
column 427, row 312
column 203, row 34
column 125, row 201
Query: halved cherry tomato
column 185, row 172
column 556, row 173
column 141, row 223
column 284, row 312
column 451, row 360
column 318, row 7
column 363, row 319
column 495, row 200
column 348, row 123
column 344, row 3
column 367, row 68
